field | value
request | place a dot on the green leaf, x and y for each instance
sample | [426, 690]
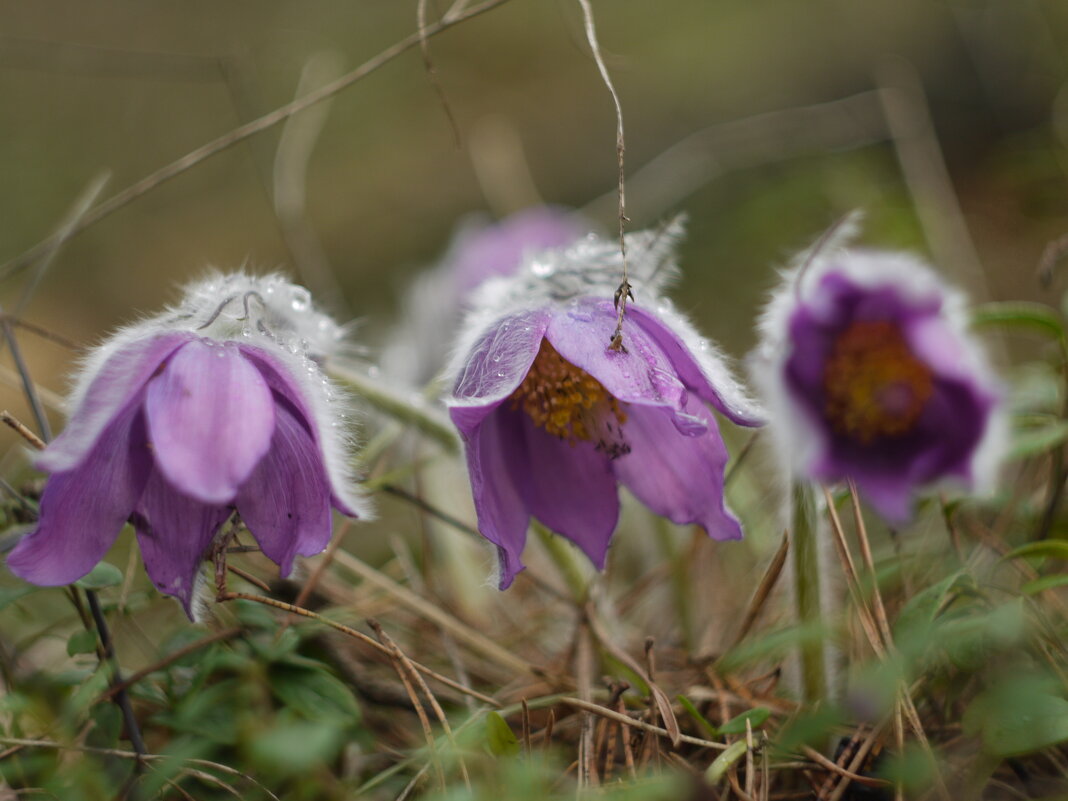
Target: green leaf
[82, 642]
[1044, 583]
[210, 714]
[721, 764]
[86, 694]
[1032, 441]
[294, 747]
[101, 576]
[107, 726]
[736, 725]
[1019, 716]
[1052, 549]
[919, 613]
[1036, 317]
[702, 721]
[499, 736]
[314, 694]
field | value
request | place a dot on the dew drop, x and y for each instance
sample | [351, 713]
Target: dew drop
[301, 299]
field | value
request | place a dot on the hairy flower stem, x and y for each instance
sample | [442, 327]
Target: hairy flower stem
[563, 556]
[804, 550]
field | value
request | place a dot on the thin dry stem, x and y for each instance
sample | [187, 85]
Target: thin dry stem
[22, 430]
[398, 660]
[648, 728]
[764, 589]
[425, 690]
[624, 290]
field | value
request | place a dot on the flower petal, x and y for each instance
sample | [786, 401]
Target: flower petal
[286, 501]
[174, 532]
[481, 252]
[118, 381]
[493, 456]
[705, 374]
[567, 486]
[678, 477]
[495, 366]
[210, 419]
[638, 373]
[83, 510]
[316, 420]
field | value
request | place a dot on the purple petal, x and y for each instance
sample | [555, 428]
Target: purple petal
[640, 373]
[210, 419]
[496, 366]
[567, 486]
[678, 477]
[83, 510]
[889, 494]
[493, 458]
[174, 532]
[286, 501]
[116, 385]
[498, 249]
[278, 377]
[685, 364]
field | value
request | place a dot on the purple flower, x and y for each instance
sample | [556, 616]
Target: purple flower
[554, 419]
[433, 305]
[178, 421]
[870, 374]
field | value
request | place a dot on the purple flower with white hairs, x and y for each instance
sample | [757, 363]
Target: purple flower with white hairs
[216, 405]
[870, 374]
[554, 418]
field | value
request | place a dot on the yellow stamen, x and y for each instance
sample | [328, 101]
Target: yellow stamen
[876, 387]
[570, 404]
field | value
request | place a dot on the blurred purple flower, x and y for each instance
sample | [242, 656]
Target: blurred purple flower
[554, 419]
[480, 249]
[215, 406]
[870, 374]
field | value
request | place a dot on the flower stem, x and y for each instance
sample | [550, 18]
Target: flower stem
[563, 556]
[806, 564]
[411, 409]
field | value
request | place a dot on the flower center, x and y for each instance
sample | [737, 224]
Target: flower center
[571, 404]
[875, 385]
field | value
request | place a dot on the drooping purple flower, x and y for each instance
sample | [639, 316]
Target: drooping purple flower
[869, 374]
[433, 306]
[177, 421]
[553, 418]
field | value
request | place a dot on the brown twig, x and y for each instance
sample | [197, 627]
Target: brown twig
[403, 672]
[648, 728]
[763, 590]
[22, 430]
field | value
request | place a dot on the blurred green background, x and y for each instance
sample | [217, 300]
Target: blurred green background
[123, 88]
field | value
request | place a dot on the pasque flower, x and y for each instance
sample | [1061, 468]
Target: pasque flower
[177, 421]
[869, 374]
[554, 418]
